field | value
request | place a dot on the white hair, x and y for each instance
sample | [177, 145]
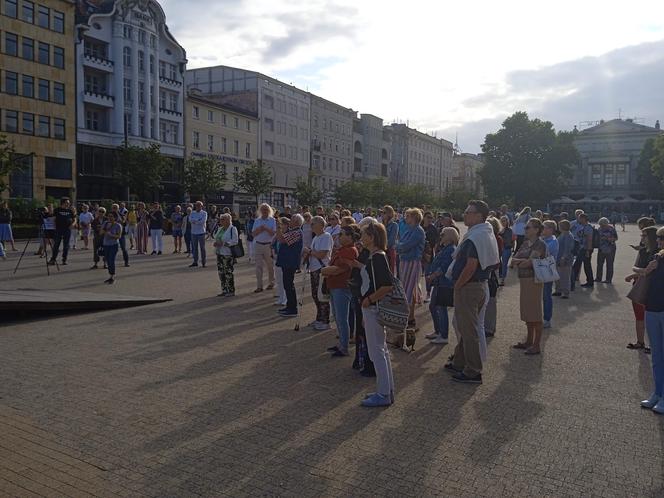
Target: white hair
[297, 218]
[318, 220]
[270, 211]
[224, 216]
[367, 220]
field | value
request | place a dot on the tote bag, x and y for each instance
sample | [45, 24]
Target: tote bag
[393, 309]
[639, 291]
[545, 270]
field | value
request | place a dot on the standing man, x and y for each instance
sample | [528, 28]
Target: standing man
[156, 228]
[357, 216]
[264, 229]
[64, 220]
[122, 220]
[476, 254]
[176, 221]
[583, 234]
[198, 221]
[288, 259]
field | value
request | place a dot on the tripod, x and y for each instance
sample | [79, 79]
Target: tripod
[45, 240]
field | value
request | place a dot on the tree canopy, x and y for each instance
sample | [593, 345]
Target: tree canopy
[306, 193]
[203, 177]
[255, 179]
[378, 192]
[141, 169]
[651, 165]
[527, 162]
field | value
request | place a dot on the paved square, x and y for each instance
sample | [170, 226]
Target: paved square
[209, 397]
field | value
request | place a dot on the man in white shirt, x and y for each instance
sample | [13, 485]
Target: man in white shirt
[265, 226]
[357, 216]
[198, 221]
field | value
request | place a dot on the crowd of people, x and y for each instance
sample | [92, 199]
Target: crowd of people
[350, 258]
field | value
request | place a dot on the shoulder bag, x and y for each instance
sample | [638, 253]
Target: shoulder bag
[545, 270]
[639, 291]
[393, 309]
[323, 292]
[237, 251]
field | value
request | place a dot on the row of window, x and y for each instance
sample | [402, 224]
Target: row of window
[45, 90]
[286, 129]
[31, 124]
[608, 175]
[128, 33]
[234, 121]
[334, 164]
[223, 143]
[34, 51]
[333, 126]
[290, 108]
[42, 16]
[285, 151]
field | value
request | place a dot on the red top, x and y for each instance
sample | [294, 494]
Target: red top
[340, 281]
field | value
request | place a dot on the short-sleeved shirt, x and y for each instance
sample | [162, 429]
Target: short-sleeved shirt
[528, 250]
[468, 250]
[581, 233]
[340, 281]
[111, 229]
[176, 219]
[378, 267]
[605, 233]
[85, 218]
[264, 237]
[156, 220]
[64, 217]
[322, 242]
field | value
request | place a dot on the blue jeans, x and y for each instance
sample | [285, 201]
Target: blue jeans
[505, 260]
[548, 301]
[340, 306]
[441, 322]
[655, 328]
[196, 242]
[110, 252]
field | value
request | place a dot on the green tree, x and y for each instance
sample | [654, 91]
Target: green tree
[255, 179]
[651, 166]
[140, 170]
[203, 176]
[9, 163]
[352, 193]
[306, 192]
[527, 162]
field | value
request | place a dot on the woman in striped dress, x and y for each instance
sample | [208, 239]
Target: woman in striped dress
[410, 249]
[142, 229]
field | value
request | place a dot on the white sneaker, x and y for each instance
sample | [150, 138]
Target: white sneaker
[432, 335]
[439, 340]
[313, 324]
[547, 324]
[659, 407]
[322, 326]
[651, 402]
[427, 299]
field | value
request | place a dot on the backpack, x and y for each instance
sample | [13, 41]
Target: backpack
[595, 238]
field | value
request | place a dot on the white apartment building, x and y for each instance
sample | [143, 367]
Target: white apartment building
[371, 148]
[331, 143]
[284, 121]
[130, 88]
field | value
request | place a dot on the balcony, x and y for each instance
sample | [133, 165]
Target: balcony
[169, 112]
[98, 63]
[100, 99]
[164, 81]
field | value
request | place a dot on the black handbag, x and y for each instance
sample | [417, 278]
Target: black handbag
[237, 251]
[445, 296]
[493, 284]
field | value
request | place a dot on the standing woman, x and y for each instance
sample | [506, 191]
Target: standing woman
[410, 249]
[490, 311]
[334, 228]
[6, 225]
[432, 236]
[318, 257]
[73, 230]
[607, 250]
[248, 229]
[97, 237]
[111, 231]
[531, 292]
[156, 228]
[647, 250]
[441, 284]
[376, 284]
[519, 228]
[176, 221]
[548, 236]
[226, 237]
[506, 234]
[131, 225]
[142, 229]
[186, 229]
[392, 228]
[655, 323]
[84, 220]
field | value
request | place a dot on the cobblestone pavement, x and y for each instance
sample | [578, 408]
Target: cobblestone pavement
[211, 397]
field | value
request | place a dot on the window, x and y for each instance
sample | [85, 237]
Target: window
[621, 174]
[195, 111]
[44, 17]
[44, 90]
[126, 56]
[28, 12]
[127, 90]
[126, 31]
[152, 64]
[127, 122]
[11, 121]
[59, 57]
[236, 148]
[59, 128]
[93, 84]
[44, 53]
[28, 47]
[153, 41]
[162, 69]
[210, 143]
[11, 83]
[171, 71]
[269, 148]
[236, 123]
[596, 174]
[28, 123]
[223, 120]
[92, 120]
[141, 60]
[44, 128]
[28, 86]
[141, 93]
[58, 21]
[247, 150]
[195, 139]
[141, 126]
[269, 124]
[173, 101]
[608, 175]
[10, 8]
[211, 116]
[248, 125]
[268, 102]
[58, 168]
[141, 37]
[21, 179]
[224, 145]
[11, 44]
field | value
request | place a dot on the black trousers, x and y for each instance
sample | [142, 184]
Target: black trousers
[289, 287]
[61, 238]
[584, 258]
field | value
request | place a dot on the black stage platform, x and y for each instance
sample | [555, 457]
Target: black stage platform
[64, 300]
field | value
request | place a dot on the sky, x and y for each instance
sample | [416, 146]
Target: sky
[449, 68]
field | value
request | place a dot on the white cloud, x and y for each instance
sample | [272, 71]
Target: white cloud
[438, 64]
